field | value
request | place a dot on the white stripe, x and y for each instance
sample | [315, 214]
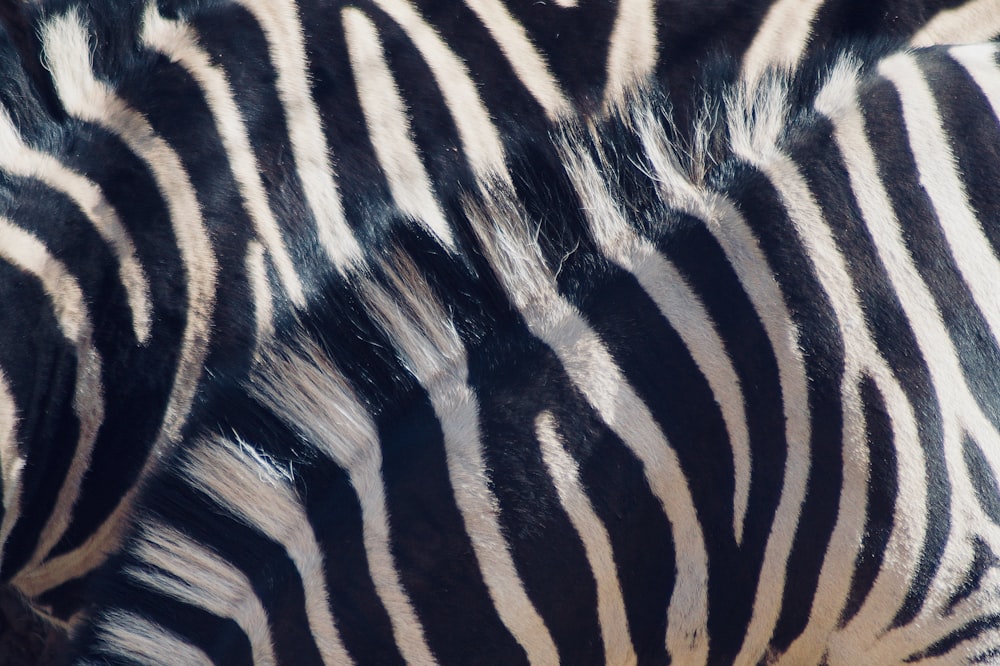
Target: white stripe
[178, 41]
[309, 392]
[263, 300]
[389, 126]
[524, 58]
[747, 259]
[66, 51]
[596, 542]
[433, 352]
[677, 302]
[26, 252]
[195, 575]
[781, 38]
[974, 21]
[481, 143]
[19, 159]
[503, 231]
[838, 101]
[249, 488]
[279, 20]
[632, 50]
[124, 634]
[939, 176]
[11, 462]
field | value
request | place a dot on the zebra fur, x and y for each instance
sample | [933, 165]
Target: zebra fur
[532, 449]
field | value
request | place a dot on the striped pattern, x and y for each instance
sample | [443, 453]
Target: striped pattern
[174, 179]
[735, 406]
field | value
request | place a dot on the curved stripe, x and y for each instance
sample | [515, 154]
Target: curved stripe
[731, 231]
[18, 158]
[529, 65]
[632, 51]
[255, 265]
[838, 101]
[565, 476]
[435, 355]
[178, 42]
[66, 52]
[196, 576]
[124, 634]
[781, 38]
[26, 252]
[249, 488]
[940, 177]
[11, 463]
[973, 21]
[389, 127]
[678, 304]
[481, 143]
[279, 20]
[310, 393]
[502, 226]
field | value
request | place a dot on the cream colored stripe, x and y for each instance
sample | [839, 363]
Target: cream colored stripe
[973, 21]
[124, 634]
[245, 485]
[19, 159]
[66, 50]
[940, 178]
[260, 288]
[389, 127]
[26, 252]
[480, 141]
[279, 19]
[632, 51]
[310, 392]
[524, 58]
[178, 41]
[502, 228]
[189, 572]
[678, 304]
[565, 476]
[433, 352]
[781, 38]
[727, 225]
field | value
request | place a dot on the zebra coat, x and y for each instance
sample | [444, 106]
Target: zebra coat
[724, 393]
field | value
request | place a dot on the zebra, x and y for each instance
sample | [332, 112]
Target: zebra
[724, 394]
[176, 175]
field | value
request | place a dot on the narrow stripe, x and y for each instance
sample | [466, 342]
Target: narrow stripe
[195, 575]
[312, 394]
[249, 488]
[178, 42]
[565, 475]
[434, 352]
[26, 252]
[731, 231]
[632, 51]
[782, 37]
[480, 140]
[11, 462]
[502, 226]
[526, 61]
[678, 304]
[66, 50]
[939, 175]
[389, 127]
[281, 25]
[255, 265]
[973, 21]
[123, 634]
[19, 159]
